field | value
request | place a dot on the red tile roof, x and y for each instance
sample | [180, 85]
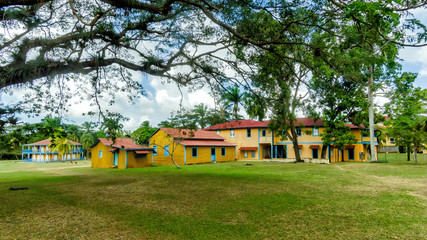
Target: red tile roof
[48, 141]
[142, 152]
[123, 143]
[191, 134]
[211, 143]
[239, 124]
[248, 148]
[258, 124]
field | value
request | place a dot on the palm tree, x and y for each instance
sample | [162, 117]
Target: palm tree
[232, 97]
[61, 145]
[200, 112]
[112, 128]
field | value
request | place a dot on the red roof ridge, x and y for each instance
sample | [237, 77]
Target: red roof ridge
[123, 143]
[191, 134]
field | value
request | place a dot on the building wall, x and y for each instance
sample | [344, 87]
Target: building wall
[183, 155]
[138, 162]
[42, 153]
[161, 139]
[306, 139]
[204, 155]
[107, 157]
[241, 140]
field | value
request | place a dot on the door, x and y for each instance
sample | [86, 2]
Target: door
[116, 158]
[351, 154]
[213, 154]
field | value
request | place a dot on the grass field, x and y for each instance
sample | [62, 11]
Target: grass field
[215, 201]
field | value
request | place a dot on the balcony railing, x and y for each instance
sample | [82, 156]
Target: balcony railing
[29, 151]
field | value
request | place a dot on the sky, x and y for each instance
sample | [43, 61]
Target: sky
[163, 98]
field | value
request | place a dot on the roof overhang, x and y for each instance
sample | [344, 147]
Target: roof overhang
[248, 148]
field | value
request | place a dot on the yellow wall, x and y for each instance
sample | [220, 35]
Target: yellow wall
[241, 140]
[107, 159]
[138, 162]
[161, 139]
[204, 155]
[306, 139]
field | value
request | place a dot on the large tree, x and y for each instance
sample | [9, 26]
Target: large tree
[407, 110]
[95, 43]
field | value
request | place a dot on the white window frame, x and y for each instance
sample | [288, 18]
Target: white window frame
[245, 153]
[232, 133]
[315, 131]
[100, 154]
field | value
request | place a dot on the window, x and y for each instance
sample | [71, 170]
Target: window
[100, 154]
[300, 153]
[167, 150]
[315, 131]
[315, 153]
[217, 132]
[252, 154]
[223, 151]
[245, 154]
[194, 152]
[263, 133]
[155, 150]
[232, 133]
[298, 131]
[392, 140]
[248, 133]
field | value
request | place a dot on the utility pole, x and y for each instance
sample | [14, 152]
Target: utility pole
[371, 115]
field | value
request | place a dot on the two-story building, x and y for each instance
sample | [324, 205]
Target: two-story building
[40, 152]
[255, 141]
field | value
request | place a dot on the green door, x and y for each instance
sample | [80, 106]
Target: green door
[116, 158]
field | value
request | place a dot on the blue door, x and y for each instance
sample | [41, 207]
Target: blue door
[116, 158]
[351, 154]
[213, 154]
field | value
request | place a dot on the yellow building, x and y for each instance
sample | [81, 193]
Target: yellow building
[40, 152]
[189, 147]
[255, 141]
[124, 153]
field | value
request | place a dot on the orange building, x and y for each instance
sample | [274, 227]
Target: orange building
[123, 153]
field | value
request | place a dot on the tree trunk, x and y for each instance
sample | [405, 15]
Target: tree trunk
[294, 138]
[324, 151]
[371, 115]
[415, 154]
[408, 153]
[175, 162]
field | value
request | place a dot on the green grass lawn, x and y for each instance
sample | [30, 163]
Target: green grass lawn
[215, 201]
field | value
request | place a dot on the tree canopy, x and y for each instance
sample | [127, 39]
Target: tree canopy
[407, 111]
[96, 44]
